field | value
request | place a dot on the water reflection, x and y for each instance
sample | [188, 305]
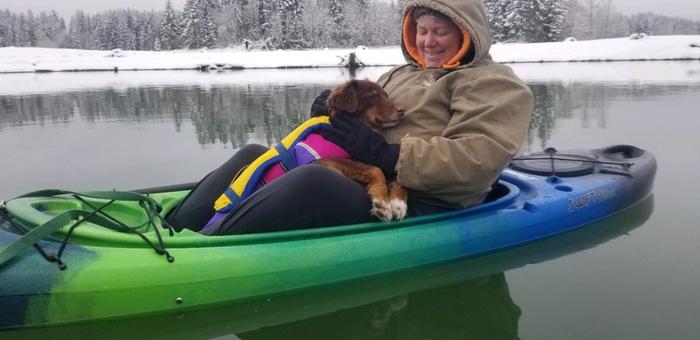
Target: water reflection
[476, 309]
[238, 114]
[230, 115]
[589, 103]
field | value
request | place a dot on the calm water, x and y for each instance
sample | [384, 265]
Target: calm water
[636, 276]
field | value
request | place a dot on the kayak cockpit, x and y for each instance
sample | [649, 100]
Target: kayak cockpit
[34, 211]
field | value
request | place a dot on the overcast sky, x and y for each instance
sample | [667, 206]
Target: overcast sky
[681, 8]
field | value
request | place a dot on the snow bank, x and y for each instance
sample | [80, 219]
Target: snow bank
[677, 47]
[28, 59]
[33, 59]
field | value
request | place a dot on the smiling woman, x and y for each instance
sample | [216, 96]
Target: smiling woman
[465, 118]
[438, 39]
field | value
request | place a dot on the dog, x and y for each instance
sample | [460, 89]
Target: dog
[368, 101]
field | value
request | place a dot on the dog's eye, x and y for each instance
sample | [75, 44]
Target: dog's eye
[371, 94]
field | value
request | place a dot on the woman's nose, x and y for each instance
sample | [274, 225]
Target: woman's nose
[429, 39]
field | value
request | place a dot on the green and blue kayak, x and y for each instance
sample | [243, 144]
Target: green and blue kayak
[116, 259]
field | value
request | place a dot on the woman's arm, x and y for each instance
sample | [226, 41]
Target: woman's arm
[490, 117]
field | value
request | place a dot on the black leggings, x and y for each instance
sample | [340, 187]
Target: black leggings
[309, 196]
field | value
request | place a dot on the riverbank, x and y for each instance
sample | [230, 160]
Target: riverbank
[638, 48]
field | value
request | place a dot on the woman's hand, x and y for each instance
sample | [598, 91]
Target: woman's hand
[362, 143]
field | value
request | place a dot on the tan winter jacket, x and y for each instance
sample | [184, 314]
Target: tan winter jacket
[463, 123]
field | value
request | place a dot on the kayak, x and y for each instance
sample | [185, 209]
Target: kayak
[289, 313]
[110, 255]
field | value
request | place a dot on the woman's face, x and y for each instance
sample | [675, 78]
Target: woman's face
[437, 40]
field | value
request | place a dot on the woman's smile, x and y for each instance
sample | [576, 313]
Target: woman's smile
[437, 40]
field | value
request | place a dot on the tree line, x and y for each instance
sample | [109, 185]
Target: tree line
[299, 24]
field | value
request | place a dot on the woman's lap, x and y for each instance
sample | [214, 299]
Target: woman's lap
[198, 207]
[309, 196]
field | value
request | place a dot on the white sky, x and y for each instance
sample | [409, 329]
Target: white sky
[681, 8]
[68, 7]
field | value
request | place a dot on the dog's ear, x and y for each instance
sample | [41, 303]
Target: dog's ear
[344, 97]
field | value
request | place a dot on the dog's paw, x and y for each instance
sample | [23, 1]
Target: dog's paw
[381, 209]
[398, 208]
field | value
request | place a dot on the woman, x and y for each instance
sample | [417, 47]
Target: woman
[465, 118]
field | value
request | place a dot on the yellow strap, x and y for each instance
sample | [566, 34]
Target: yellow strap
[243, 180]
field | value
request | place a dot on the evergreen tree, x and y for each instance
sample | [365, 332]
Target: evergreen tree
[30, 29]
[247, 19]
[24, 26]
[365, 34]
[292, 15]
[127, 26]
[145, 31]
[80, 32]
[339, 28]
[640, 23]
[266, 15]
[228, 21]
[316, 35]
[238, 22]
[508, 19]
[51, 30]
[199, 29]
[336, 9]
[170, 28]
[544, 20]
[154, 19]
[5, 24]
[109, 31]
[397, 8]
[382, 24]
[274, 37]
[526, 20]
[190, 29]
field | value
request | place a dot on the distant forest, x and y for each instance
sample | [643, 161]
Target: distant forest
[301, 24]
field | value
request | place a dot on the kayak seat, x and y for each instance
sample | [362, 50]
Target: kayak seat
[498, 190]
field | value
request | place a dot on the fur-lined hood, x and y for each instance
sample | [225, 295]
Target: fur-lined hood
[469, 15]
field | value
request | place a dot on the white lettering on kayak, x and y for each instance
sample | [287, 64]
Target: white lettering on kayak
[595, 196]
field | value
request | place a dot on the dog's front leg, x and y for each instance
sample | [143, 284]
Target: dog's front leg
[371, 177]
[378, 191]
[397, 200]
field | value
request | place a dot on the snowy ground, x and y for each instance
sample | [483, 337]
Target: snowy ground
[28, 59]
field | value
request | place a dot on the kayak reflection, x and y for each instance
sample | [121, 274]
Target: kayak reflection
[457, 300]
[476, 309]
[480, 308]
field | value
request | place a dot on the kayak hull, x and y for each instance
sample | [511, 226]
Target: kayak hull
[114, 275]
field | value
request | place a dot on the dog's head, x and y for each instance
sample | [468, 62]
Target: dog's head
[366, 100]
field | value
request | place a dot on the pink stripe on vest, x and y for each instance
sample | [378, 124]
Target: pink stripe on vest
[318, 147]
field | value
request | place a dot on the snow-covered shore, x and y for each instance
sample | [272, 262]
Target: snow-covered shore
[30, 59]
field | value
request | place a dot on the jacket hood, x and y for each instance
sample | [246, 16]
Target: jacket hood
[469, 15]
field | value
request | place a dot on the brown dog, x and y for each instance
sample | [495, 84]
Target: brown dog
[369, 102]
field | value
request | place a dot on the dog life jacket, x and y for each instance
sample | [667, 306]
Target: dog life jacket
[300, 147]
